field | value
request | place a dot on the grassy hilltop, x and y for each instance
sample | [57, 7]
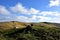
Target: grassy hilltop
[39, 31]
[11, 25]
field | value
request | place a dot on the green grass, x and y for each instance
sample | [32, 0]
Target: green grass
[47, 32]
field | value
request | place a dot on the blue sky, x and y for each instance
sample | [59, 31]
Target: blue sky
[30, 10]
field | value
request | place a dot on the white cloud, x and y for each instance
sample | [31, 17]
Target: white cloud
[4, 11]
[55, 20]
[33, 11]
[36, 18]
[19, 8]
[24, 19]
[54, 3]
[45, 13]
[33, 18]
[5, 14]
[5, 18]
[43, 18]
[21, 18]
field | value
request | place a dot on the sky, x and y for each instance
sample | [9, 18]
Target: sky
[30, 10]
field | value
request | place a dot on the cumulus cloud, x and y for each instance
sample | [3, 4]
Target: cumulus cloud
[4, 11]
[33, 11]
[19, 8]
[5, 14]
[36, 17]
[54, 3]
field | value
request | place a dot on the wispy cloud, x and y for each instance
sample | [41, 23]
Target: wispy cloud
[45, 13]
[36, 18]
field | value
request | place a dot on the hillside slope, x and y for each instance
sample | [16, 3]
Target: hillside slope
[39, 31]
[12, 24]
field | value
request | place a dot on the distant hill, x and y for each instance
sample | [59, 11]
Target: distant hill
[47, 24]
[55, 24]
[12, 24]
